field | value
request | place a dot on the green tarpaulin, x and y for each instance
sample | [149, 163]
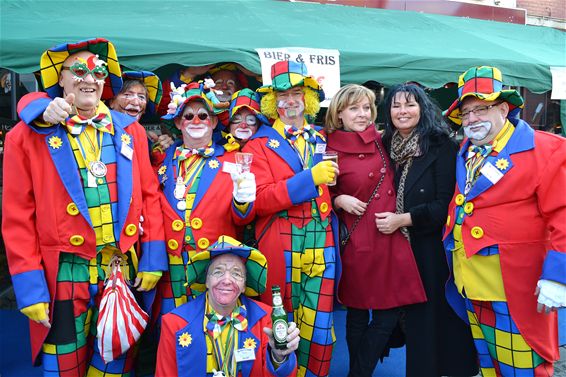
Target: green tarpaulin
[375, 44]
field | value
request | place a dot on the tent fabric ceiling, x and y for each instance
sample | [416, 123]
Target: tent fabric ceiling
[383, 45]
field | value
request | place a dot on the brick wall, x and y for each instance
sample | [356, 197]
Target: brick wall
[544, 8]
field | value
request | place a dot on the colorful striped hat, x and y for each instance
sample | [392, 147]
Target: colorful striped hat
[152, 84]
[255, 262]
[52, 60]
[484, 83]
[249, 99]
[193, 92]
[287, 74]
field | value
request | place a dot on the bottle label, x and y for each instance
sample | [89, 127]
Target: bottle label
[277, 301]
[280, 330]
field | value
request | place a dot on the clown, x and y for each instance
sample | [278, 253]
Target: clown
[505, 236]
[294, 219]
[210, 335]
[141, 90]
[93, 166]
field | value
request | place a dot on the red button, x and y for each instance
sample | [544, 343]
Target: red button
[361, 156]
[390, 192]
[370, 174]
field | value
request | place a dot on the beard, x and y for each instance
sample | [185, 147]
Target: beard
[484, 128]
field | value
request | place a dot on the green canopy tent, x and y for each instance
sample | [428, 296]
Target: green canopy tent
[383, 45]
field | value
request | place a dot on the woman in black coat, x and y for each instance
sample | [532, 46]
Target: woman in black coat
[438, 342]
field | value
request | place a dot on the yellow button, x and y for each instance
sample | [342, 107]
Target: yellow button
[448, 221]
[173, 244]
[469, 208]
[187, 238]
[323, 207]
[104, 208]
[459, 200]
[72, 209]
[100, 181]
[177, 225]
[203, 243]
[196, 223]
[477, 232]
[313, 211]
[131, 229]
[76, 240]
[107, 238]
[320, 191]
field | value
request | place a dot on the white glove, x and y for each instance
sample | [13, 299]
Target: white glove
[59, 109]
[244, 187]
[551, 295]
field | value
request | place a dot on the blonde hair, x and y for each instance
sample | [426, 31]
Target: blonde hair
[269, 103]
[346, 96]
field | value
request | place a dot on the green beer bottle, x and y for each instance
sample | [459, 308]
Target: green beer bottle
[279, 319]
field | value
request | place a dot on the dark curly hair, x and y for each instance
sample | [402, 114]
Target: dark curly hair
[431, 126]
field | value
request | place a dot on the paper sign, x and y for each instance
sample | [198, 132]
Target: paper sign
[558, 83]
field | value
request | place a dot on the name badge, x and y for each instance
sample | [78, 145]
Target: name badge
[245, 354]
[320, 148]
[229, 167]
[491, 172]
[127, 151]
[90, 179]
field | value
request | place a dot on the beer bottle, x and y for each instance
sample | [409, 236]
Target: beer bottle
[279, 319]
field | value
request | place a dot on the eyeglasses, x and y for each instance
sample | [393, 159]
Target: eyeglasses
[132, 96]
[250, 120]
[235, 273]
[478, 111]
[81, 70]
[191, 116]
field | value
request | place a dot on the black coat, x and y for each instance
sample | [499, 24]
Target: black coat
[438, 342]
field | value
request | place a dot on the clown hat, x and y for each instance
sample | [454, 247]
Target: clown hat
[152, 84]
[255, 262]
[484, 83]
[52, 60]
[249, 99]
[287, 74]
[193, 92]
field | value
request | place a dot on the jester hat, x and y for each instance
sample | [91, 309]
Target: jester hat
[287, 74]
[192, 92]
[249, 99]
[52, 60]
[151, 83]
[484, 83]
[254, 260]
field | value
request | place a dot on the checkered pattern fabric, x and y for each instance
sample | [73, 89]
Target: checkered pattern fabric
[52, 60]
[71, 350]
[102, 200]
[502, 351]
[247, 98]
[193, 92]
[152, 84]
[309, 293]
[287, 74]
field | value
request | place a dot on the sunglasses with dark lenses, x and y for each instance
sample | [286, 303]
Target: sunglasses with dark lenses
[191, 116]
[80, 70]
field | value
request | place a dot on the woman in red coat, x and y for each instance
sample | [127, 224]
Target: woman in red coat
[379, 271]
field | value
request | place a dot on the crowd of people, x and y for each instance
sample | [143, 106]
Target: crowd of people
[457, 252]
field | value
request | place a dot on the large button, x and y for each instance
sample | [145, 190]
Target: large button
[173, 244]
[459, 200]
[361, 156]
[72, 209]
[196, 223]
[76, 240]
[323, 207]
[469, 208]
[477, 232]
[203, 243]
[131, 229]
[448, 221]
[177, 225]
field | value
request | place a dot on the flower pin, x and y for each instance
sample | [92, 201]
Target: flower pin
[502, 164]
[162, 170]
[273, 143]
[55, 142]
[213, 164]
[185, 339]
[126, 139]
[250, 343]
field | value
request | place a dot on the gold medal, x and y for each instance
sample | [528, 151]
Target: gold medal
[98, 169]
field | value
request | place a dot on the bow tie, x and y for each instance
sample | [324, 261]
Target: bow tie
[292, 132]
[184, 153]
[480, 150]
[101, 122]
[217, 323]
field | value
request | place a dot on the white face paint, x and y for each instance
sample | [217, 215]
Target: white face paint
[477, 131]
[243, 133]
[290, 109]
[194, 133]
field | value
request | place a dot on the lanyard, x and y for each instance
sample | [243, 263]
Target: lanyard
[99, 144]
[225, 355]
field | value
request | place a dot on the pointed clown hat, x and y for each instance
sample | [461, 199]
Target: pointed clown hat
[255, 262]
[287, 74]
[484, 83]
[153, 85]
[51, 64]
[249, 99]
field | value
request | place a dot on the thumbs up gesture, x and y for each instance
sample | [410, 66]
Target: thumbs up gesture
[59, 109]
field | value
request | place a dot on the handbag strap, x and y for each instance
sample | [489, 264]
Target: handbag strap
[267, 226]
[381, 179]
